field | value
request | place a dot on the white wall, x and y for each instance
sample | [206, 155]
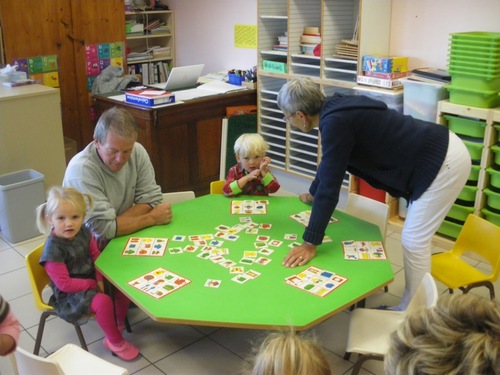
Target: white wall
[204, 33]
[419, 29]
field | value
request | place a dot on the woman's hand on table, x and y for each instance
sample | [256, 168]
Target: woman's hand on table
[299, 255]
[306, 198]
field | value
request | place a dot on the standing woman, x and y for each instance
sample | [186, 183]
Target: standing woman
[421, 161]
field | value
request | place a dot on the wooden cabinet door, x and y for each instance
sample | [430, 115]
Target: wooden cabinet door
[63, 27]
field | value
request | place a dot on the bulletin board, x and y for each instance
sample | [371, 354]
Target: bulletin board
[245, 36]
[43, 69]
[99, 56]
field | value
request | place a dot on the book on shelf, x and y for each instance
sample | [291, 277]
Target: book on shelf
[395, 75]
[149, 97]
[431, 75]
[379, 82]
[152, 25]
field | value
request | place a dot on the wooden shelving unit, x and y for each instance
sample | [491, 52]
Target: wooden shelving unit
[157, 46]
[292, 151]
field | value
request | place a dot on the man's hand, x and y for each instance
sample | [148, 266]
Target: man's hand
[162, 213]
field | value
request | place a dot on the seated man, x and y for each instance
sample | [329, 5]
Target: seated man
[117, 172]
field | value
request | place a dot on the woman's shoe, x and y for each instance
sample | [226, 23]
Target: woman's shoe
[125, 350]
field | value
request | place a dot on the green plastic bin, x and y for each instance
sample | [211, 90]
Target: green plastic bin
[466, 126]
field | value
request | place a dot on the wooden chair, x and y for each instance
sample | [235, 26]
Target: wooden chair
[479, 237]
[217, 186]
[68, 360]
[178, 196]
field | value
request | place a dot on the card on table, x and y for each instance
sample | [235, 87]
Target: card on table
[304, 216]
[158, 283]
[356, 250]
[249, 207]
[316, 281]
[142, 246]
[213, 283]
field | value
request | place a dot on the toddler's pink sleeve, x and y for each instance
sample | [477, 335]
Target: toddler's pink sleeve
[10, 327]
[58, 273]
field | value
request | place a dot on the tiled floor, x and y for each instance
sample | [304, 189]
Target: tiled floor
[178, 349]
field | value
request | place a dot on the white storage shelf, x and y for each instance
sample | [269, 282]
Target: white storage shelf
[293, 151]
[149, 63]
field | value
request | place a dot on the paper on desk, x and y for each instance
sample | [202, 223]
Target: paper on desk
[219, 87]
[214, 87]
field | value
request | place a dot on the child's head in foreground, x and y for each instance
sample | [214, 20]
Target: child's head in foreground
[249, 150]
[460, 336]
[63, 212]
[288, 353]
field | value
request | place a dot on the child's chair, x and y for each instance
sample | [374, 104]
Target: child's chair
[217, 186]
[478, 237]
[370, 329]
[39, 280]
[70, 359]
[178, 196]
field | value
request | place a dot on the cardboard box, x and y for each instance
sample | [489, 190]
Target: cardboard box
[385, 64]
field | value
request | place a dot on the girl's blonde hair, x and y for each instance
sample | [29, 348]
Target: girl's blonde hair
[250, 144]
[459, 336]
[287, 353]
[55, 197]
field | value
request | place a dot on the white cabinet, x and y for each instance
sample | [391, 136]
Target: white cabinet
[31, 135]
[367, 20]
[150, 44]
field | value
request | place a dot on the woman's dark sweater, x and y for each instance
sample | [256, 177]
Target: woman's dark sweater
[391, 151]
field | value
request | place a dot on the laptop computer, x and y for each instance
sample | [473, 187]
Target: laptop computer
[183, 77]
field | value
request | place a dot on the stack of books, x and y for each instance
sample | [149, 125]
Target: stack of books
[384, 71]
[282, 43]
[151, 25]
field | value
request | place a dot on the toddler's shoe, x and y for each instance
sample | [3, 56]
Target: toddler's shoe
[125, 350]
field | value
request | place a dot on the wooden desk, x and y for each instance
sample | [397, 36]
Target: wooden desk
[183, 140]
[266, 302]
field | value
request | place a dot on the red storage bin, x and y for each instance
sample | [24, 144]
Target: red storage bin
[366, 190]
